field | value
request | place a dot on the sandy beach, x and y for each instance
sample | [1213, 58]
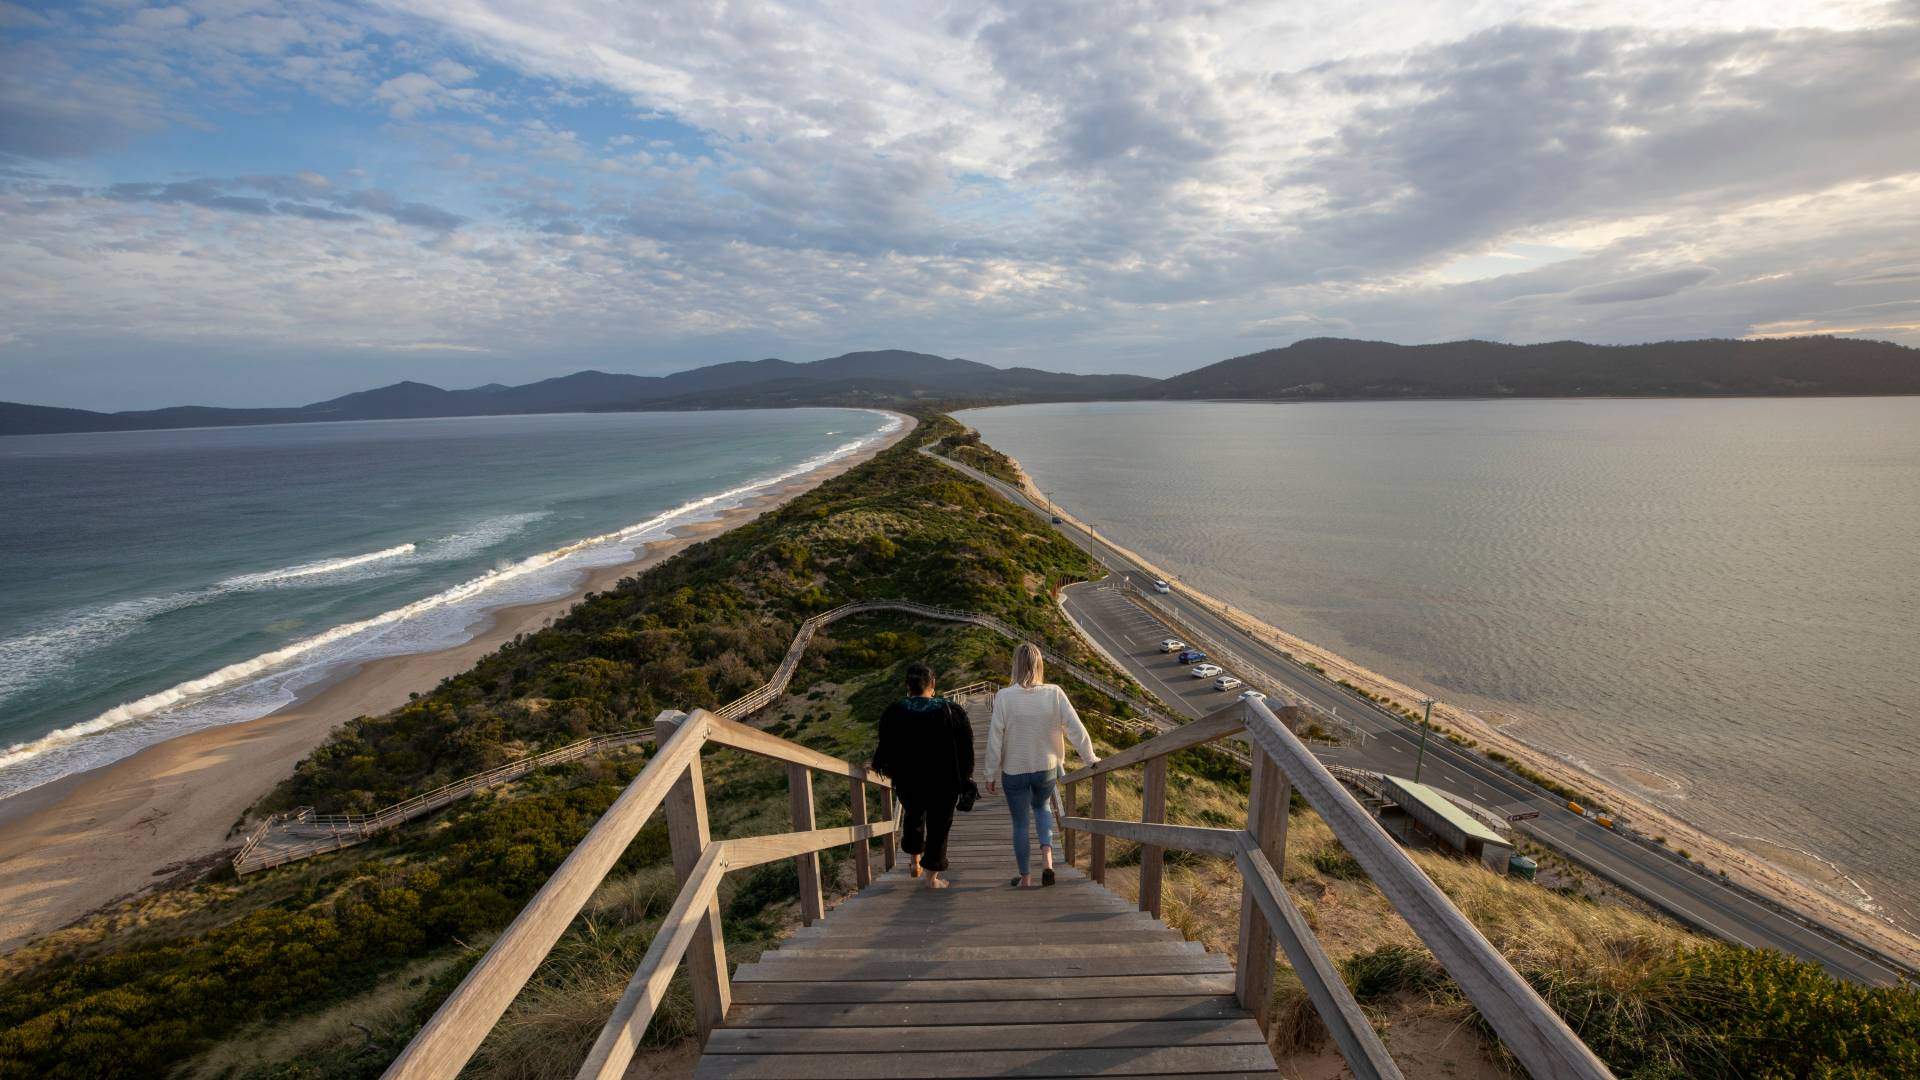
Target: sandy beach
[89, 840]
[1789, 876]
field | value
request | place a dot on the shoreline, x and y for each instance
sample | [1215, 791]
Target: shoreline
[93, 839]
[1748, 868]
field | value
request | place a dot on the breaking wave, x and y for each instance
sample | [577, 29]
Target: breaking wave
[315, 569]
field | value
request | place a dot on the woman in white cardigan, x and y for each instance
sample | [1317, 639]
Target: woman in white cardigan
[1026, 745]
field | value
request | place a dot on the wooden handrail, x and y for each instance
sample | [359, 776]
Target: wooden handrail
[1222, 722]
[1525, 1023]
[457, 1028]
[766, 744]
[613, 1051]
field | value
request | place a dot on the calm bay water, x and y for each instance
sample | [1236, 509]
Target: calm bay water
[1715, 604]
[163, 581]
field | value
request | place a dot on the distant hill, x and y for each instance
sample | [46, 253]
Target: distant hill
[886, 377]
[1318, 368]
[1344, 368]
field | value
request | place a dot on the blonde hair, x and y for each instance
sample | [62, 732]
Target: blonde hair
[1029, 667]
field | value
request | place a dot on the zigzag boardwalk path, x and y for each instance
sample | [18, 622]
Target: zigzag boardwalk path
[986, 980]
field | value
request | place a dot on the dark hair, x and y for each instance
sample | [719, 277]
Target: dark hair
[919, 678]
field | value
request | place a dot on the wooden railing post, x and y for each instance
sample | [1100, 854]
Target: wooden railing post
[1153, 811]
[1073, 810]
[686, 807]
[886, 842]
[800, 794]
[1097, 849]
[862, 850]
[1267, 825]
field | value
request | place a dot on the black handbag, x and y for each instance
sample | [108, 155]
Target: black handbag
[969, 791]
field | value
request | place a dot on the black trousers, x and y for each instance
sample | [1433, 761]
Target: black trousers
[925, 820]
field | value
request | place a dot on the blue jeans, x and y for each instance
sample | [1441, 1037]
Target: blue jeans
[1028, 796]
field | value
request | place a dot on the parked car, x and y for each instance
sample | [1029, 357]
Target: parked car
[1056, 519]
[1206, 671]
[1226, 682]
[1191, 656]
[1161, 586]
[1172, 644]
[1252, 695]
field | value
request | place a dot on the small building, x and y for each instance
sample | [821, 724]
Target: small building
[1437, 816]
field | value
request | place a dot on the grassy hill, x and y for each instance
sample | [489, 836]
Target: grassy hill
[325, 968]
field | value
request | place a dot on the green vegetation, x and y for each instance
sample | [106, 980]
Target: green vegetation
[199, 972]
[1706, 1010]
[1541, 779]
[966, 448]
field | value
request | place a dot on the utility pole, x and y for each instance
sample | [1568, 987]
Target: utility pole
[1425, 722]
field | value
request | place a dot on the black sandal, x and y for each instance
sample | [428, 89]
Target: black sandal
[1046, 876]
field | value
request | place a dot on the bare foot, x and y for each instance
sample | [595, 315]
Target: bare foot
[913, 865]
[934, 882]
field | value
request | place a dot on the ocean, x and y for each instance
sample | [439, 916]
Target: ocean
[1714, 604]
[158, 582]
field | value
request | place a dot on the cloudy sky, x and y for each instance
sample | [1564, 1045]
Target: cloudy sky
[273, 201]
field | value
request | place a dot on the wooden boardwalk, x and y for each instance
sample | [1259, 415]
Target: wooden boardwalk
[985, 980]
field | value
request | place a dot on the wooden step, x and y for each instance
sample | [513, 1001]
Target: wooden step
[1093, 1061]
[822, 952]
[803, 969]
[934, 1013]
[957, 1037]
[1049, 989]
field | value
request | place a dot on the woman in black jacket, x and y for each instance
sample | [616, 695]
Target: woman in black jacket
[926, 749]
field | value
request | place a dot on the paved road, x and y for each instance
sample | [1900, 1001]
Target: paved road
[1133, 637]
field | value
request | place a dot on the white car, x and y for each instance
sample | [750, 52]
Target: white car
[1226, 682]
[1205, 671]
[1252, 695]
[1161, 586]
[1172, 644]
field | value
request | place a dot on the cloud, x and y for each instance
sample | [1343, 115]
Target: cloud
[1134, 185]
[406, 213]
[1641, 287]
[417, 93]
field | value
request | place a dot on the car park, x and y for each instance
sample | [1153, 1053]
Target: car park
[1161, 586]
[1191, 656]
[1172, 644]
[1206, 671]
[1226, 682]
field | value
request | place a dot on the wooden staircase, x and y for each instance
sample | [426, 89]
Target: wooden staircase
[982, 979]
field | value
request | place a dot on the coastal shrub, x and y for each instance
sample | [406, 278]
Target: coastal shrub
[1334, 861]
[1542, 780]
[1390, 969]
[1724, 1011]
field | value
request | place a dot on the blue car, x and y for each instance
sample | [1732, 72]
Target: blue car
[1192, 656]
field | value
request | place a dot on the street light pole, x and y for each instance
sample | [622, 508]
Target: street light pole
[1425, 722]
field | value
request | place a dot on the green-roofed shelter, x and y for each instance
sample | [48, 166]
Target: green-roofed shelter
[1439, 817]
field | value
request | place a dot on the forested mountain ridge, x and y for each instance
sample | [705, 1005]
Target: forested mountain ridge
[887, 377]
[1345, 368]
